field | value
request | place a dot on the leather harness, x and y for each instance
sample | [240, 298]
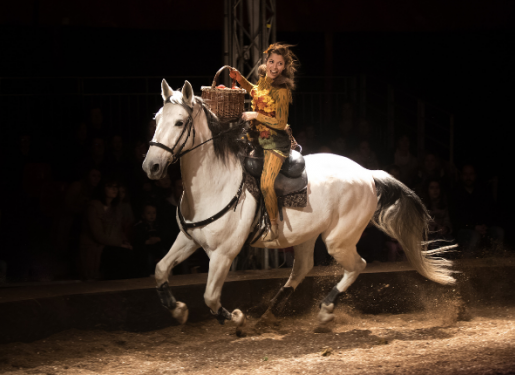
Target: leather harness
[234, 201]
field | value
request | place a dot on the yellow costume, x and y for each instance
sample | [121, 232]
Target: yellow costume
[272, 106]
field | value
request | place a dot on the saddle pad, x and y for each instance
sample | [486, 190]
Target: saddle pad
[294, 199]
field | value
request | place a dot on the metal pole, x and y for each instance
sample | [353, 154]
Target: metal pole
[451, 141]
[266, 259]
[420, 128]
[390, 118]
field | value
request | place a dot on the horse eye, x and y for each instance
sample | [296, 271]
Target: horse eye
[179, 123]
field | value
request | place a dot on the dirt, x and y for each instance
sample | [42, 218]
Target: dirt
[417, 343]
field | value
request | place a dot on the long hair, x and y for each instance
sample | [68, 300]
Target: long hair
[287, 77]
[100, 195]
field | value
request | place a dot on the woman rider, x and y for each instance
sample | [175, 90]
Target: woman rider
[271, 98]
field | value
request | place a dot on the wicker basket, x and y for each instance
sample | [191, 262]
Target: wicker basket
[227, 103]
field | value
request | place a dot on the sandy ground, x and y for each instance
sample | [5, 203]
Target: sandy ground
[417, 343]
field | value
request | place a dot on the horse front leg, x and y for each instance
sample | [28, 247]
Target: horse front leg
[181, 249]
[219, 266]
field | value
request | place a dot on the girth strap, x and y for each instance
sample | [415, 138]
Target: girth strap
[185, 226]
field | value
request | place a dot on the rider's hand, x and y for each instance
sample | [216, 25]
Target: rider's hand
[247, 116]
[235, 74]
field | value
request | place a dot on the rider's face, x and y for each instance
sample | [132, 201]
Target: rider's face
[274, 66]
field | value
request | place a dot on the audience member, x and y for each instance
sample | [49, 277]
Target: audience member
[436, 202]
[431, 169]
[148, 241]
[105, 252]
[117, 160]
[406, 162]
[473, 215]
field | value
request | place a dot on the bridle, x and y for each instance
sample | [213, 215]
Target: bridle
[191, 130]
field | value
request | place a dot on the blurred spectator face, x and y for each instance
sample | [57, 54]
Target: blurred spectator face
[96, 118]
[117, 143]
[149, 214]
[94, 177]
[325, 149]
[364, 148]
[430, 162]
[434, 190]
[395, 172]
[404, 144]
[98, 147]
[164, 183]
[468, 176]
[111, 190]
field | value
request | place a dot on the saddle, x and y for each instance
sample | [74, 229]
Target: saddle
[292, 177]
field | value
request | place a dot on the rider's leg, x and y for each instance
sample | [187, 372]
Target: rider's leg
[272, 166]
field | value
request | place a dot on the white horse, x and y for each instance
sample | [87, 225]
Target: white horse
[343, 198]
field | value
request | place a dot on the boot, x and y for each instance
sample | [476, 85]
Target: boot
[273, 233]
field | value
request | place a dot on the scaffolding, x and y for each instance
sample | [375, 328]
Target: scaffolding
[249, 28]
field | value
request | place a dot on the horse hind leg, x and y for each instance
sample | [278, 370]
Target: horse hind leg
[302, 264]
[353, 265]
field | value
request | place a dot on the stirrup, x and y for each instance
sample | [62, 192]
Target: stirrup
[272, 234]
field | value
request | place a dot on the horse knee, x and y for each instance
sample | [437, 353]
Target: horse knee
[161, 271]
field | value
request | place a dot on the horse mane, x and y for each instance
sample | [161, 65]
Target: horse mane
[232, 142]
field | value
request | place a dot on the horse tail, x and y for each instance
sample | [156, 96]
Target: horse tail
[401, 215]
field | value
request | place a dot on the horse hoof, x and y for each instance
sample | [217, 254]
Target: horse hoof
[180, 313]
[326, 313]
[238, 317]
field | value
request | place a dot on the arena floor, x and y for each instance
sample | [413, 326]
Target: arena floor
[430, 342]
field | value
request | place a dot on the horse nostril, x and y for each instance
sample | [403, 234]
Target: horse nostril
[155, 168]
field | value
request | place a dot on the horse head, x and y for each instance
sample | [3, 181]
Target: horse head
[174, 130]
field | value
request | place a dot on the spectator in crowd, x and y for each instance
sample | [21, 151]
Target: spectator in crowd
[148, 241]
[431, 169]
[473, 213]
[436, 202]
[105, 252]
[96, 156]
[96, 122]
[364, 156]
[118, 162]
[127, 211]
[70, 221]
[405, 161]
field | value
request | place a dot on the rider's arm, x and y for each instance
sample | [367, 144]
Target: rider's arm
[245, 84]
[281, 112]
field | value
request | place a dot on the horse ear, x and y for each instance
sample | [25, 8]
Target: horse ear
[187, 94]
[166, 91]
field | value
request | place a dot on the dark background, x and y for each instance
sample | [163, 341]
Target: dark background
[457, 55]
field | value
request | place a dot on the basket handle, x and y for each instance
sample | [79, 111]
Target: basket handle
[213, 85]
